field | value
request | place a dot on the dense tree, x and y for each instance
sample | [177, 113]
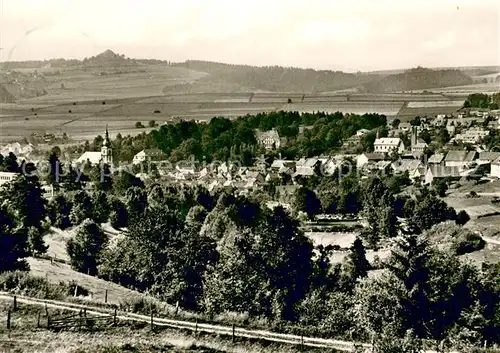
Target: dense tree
[86, 249]
[355, 264]
[13, 242]
[118, 216]
[59, 210]
[82, 208]
[305, 200]
[100, 207]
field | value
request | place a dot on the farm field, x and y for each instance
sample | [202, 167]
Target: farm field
[356, 108]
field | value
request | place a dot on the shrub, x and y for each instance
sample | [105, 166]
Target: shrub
[23, 283]
[468, 242]
[138, 125]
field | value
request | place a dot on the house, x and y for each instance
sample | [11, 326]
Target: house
[362, 132]
[388, 144]
[7, 177]
[307, 166]
[406, 165]
[368, 158]
[269, 139]
[495, 168]
[472, 135]
[459, 159]
[280, 164]
[148, 155]
[437, 158]
[487, 157]
[436, 172]
[451, 127]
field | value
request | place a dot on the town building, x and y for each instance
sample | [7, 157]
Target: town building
[388, 145]
[436, 172]
[460, 159]
[269, 139]
[436, 159]
[368, 158]
[148, 155]
[487, 157]
[472, 135]
[7, 177]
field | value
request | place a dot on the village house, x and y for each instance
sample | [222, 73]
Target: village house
[406, 165]
[368, 158]
[307, 167]
[436, 172]
[7, 177]
[460, 159]
[436, 159]
[148, 155]
[281, 165]
[472, 135]
[269, 139]
[388, 144]
[487, 157]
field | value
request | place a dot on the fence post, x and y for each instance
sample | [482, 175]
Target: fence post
[8, 319]
[114, 318]
[38, 319]
[151, 319]
[46, 310]
[15, 302]
[196, 327]
[302, 341]
[233, 332]
[106, 297]
[75, 294]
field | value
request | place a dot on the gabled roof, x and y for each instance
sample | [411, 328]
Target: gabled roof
[496, 161]
[455, 156]
[392, 141]
[93, 157]
[374, 156]
[406, 165]
[436, 158]
[489, 156]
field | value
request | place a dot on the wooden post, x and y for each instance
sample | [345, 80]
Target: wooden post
[151, 319]
[75, 294]
[301, 341]
[114, 318]
[106, 297]
[38, 319]
[8, 319]
[46, 310]
[196, 327]
[15, 302]
[176, 307]
[233, 332]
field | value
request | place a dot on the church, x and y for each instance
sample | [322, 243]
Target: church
[105, 156]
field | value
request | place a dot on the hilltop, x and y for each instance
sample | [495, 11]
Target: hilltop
[417, 79]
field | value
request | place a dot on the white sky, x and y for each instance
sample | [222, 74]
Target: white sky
[323, 34]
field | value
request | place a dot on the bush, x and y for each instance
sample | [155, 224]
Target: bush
[23, 283]
[138, 125]
[468, 242]
[152, 123]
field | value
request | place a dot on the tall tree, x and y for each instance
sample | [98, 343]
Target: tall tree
[86, 249]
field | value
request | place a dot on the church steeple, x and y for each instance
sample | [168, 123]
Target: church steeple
[106, 152]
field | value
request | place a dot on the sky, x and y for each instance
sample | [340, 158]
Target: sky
[347, 35]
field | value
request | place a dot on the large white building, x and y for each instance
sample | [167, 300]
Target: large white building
[388, 144]
[269, 139]
[7, 177]
[105, 156]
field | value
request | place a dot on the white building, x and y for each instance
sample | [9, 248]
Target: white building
[388, 144]
[105, 156]
[472, 135]
[269, 139]
[7, 177]
[152, 154]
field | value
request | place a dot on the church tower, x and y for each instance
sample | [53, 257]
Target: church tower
[106, 151]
